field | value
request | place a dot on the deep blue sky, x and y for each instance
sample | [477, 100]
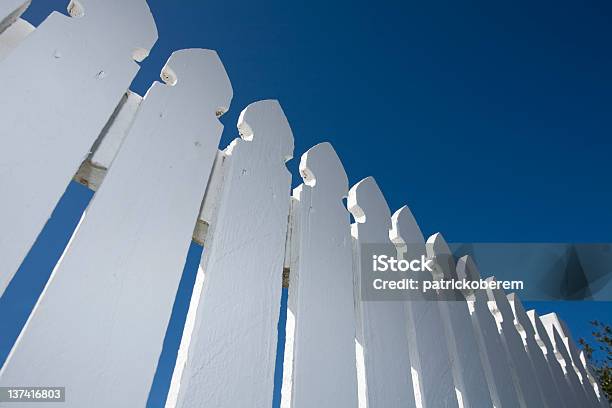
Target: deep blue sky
[490, 120]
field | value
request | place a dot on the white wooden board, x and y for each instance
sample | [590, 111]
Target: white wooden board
[496, 363]
[565, 361]
[99, 326]
[571, 356]
[320, 368]
[462, 344]
[231, 335]
[524, 375]
[69, 74]
[550, 392]
[567, 391]
[383, 357]
[429, 350]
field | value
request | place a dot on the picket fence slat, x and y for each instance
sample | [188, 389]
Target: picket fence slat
[596, 387]
[383, 356]
[99, 326]
[496, 363]
[462, 344]
[427, 342]
[567, 391]
[550, 392]
[319, 367]
[235, 305]
[71, 87]
[566, 362]
[160, 182]
[571, 356]
[520, 365]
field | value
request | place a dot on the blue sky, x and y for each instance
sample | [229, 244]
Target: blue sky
[490, 120]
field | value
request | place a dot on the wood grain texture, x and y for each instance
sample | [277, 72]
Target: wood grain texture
[69, 74]
[99, 326]
[320, 368]
[230, 341]
[383, 355]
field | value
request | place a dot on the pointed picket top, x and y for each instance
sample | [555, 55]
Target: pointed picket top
[445, 265]
[520, 315]
[552, 320]
[202, 72]
[368, 206]
[404, 228]
[502, 303]
[321, 168]
[10, 10]
[264, 122]
[468, 270]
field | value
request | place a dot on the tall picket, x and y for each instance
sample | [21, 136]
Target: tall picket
[462, 344]
[571, 356]
[125, 260]
[520, 365]
[71, 87]
[565, 361]
[567, 391]
[321, 371]
[495, 359]
[383, 357]
[550, 391]
[230, 338]
[429, 351]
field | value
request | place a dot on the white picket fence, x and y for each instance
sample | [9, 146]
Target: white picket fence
[160, 181]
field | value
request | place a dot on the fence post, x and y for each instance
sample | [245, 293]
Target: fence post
[462, 343]
[383, 358]
[230, 339]
[320, 363]
[496, 363]
[429, 350]
[98, 328]
[72, 88]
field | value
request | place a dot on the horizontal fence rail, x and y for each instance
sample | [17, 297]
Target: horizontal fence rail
[160, 181]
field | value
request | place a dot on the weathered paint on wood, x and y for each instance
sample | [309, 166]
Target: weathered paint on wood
[94, 168]
[10, 10]
[320, 368]
[427, 341]
[494, 356]
[13, 36]
[469, 374]
[99, 326]
[383, 357]
[230, 342]
[69, 74]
